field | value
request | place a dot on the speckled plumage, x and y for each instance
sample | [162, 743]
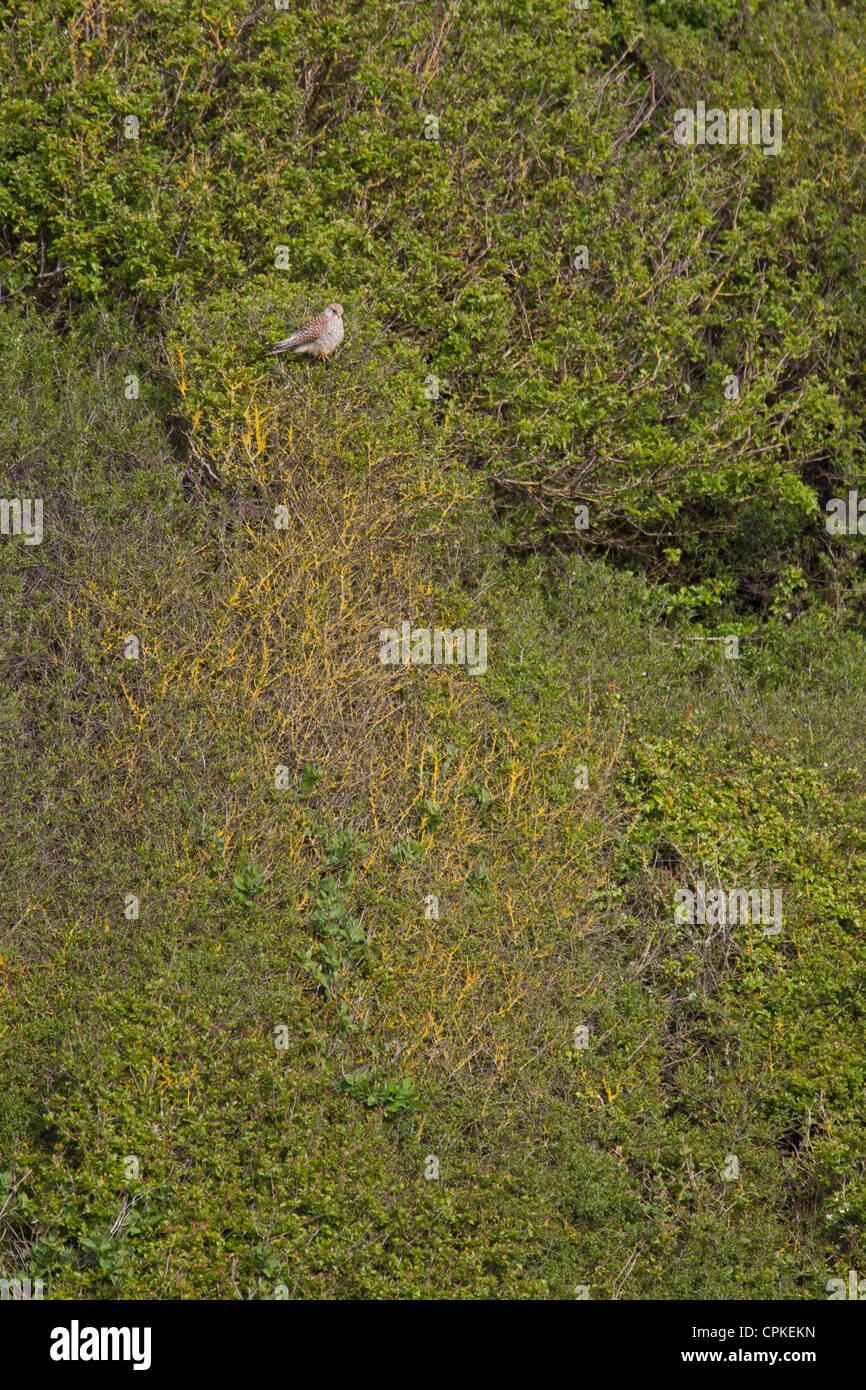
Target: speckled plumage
[320, 337]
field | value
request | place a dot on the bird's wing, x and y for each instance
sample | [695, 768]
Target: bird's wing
[309, 333]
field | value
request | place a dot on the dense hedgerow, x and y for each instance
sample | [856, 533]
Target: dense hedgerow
[282, 925]
[305, 129]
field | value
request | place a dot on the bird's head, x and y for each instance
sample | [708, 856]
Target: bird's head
[335, 309]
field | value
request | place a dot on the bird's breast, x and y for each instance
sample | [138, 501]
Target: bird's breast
[332, 333]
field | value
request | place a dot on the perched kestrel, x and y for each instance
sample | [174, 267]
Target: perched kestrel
[320, 337]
